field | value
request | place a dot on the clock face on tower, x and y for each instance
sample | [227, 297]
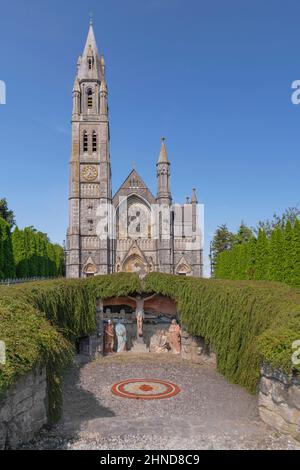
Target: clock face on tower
[89, 172]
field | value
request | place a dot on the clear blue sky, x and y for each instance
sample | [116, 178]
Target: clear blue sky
[213, 76]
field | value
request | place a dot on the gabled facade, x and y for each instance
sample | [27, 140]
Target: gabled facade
[132, 230]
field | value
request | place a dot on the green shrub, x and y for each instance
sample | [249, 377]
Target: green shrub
[39, 322]
[30, 340]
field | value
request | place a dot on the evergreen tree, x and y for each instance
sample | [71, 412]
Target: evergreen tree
[7, 214]
[243, 261]
[19, 251]
[288, 253]
[295, 279]
[244, 234]
[59, 260]
[250, 262]
[235, 262]
[276, 272]
[262, 256]
[290, 214]
[35, 256]
[7, 264]
[223, 240]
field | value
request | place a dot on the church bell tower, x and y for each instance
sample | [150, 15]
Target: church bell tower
[90, 170]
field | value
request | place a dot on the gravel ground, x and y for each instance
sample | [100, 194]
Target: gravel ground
[208, 413]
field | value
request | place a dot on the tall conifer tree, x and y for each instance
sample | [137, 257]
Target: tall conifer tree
[288, 253]
[262, 256]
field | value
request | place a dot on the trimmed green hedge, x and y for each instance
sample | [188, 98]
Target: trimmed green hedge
[39, 322]
[246, 322]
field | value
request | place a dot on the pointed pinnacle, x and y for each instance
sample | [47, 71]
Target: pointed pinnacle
[163, 156]
[194, 197]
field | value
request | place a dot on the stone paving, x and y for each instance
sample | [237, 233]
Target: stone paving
[209, 413]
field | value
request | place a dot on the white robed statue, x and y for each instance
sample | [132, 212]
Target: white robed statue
[121, 336]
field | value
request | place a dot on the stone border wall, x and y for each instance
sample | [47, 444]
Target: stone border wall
[279, 401]
[23, 409]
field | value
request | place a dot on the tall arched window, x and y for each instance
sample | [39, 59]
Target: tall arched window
[90, 98]
[85, 141]
[94, 141]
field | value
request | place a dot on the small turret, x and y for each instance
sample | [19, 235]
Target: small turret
[76, 98]
[163, 176]
[194, 202]
[194, 197]
[102, 64]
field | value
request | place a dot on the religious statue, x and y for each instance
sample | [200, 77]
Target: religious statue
[159, 342]
[118, 264]
[150, 264]
[109, 337]
[121, 337]
[139, 311]
[175, 337]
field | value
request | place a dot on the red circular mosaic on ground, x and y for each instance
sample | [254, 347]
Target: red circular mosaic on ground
[145, 389]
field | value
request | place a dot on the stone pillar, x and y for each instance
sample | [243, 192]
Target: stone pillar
[194, 349]
[279, 401]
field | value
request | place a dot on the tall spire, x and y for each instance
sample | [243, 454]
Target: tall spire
[89, 64]
[163, 156]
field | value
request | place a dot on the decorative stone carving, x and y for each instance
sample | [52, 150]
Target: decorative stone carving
[90, 268]
[109, 334]
[159, 342]
[135, 260]
[118, 266]
[183, 267]
[139, 311]
[175, 337]
[121, 337]
[195, 349]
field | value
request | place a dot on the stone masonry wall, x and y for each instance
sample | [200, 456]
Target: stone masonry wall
[195, 349]
[23, 409]
[279, 401]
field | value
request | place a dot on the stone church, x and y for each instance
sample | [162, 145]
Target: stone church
[132, 230]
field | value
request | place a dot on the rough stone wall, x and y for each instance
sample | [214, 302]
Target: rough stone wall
[194, 349]
[279, 401]
[23, 409]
